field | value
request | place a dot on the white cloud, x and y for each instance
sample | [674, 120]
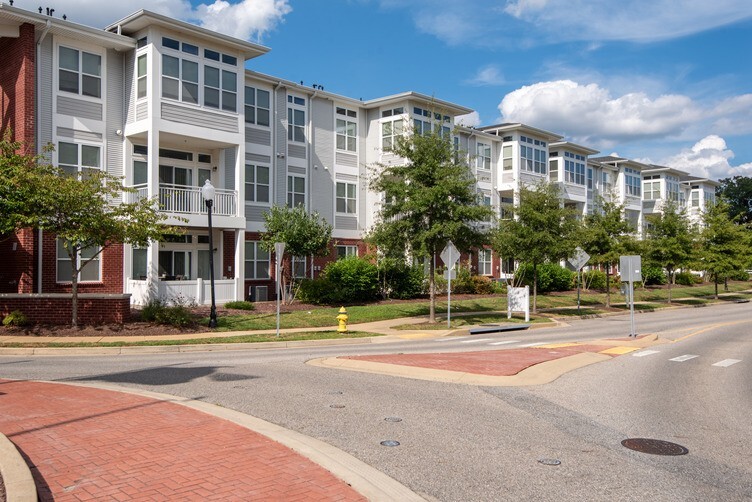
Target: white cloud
[472, 119]
[488, 75]
[708, 158]
[246, 19]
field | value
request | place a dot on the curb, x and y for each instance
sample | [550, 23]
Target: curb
[19, 484]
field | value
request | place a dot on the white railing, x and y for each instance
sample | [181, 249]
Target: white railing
[195, 291]
[188, 200]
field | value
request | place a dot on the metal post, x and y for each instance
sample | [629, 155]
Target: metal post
[449, 299]
[279, 251]
[579, 279]
[631, 309]
[213, 313]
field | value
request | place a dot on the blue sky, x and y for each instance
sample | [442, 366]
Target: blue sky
[659, 81]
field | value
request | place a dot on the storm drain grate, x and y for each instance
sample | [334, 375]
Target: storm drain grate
[550, 461]
[393, 419]
[389, 442]
[654, 446]
[337, 406]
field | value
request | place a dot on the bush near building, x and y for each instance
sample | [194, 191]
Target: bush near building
[346, 281]
[551, 277]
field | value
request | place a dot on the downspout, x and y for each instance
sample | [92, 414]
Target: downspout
[38, 128]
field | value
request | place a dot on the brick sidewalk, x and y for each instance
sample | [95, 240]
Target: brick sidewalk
[91, 444]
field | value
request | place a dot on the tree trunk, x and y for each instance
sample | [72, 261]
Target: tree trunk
[535, 288]
[715, 280]
[608, 284]
[670, 280]
[74, 294]
[432, 290]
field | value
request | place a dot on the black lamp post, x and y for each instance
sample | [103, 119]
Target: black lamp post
[207, 191]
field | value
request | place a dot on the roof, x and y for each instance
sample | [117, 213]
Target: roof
[572, 146]
[143, 18]
[449, 107]
[508, 127]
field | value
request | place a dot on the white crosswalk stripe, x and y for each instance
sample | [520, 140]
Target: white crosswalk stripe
[449, 338]
[644, 353]
[685, 357]
[534, 344]
[505, 342]
[477, 340]
[726, 363]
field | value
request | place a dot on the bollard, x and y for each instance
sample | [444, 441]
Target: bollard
[342, 318]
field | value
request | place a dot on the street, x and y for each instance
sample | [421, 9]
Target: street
[462, 442]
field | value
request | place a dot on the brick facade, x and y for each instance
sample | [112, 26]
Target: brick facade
[111, 272]
[228, 255]
[56, 308]
[17, 85]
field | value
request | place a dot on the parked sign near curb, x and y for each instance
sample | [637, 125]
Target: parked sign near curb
[450, 256]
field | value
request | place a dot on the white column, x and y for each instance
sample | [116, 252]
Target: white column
[240, 292]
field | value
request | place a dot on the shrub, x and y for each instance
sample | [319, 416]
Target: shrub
[739, 275]
[399, 280]
[240, 305]
[653, 275]
[551, 277]
[176, 315]
[316, 291]
[684, 278]
[349, 280]
[463, 283]
[149, 311]
[594, 279]
[15, 318]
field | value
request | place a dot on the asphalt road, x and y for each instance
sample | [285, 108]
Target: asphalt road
[469, 443]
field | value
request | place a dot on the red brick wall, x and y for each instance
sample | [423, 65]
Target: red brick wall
[228, 255]
[112, 270]
[17, 85]
[56, 308]
[18, 258]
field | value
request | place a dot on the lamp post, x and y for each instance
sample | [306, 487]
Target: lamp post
[207, 191]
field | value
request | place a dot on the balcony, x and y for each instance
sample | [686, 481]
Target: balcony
[181, 199]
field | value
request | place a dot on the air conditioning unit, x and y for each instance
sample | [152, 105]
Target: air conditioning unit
[258, 293]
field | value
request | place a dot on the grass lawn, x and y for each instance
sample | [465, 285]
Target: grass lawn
[472, 319]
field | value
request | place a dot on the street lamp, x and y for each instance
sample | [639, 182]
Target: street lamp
[207, 191]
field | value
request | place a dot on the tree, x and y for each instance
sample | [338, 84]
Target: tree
[540, 230]
[430, 199]
[605, 236]
[724, 245]
[304, 234]
[670, 240]
[737, 192]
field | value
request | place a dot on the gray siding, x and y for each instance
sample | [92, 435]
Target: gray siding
[44, 86]
[346, 223]
[280, 169]
[129, 84]
[115, 119]
[79, 108]
[297, 151]
[229, 154]
[142, 110]
[347, 177]
[258, 136]
[255, 213]
[200, 118]
[296, 170]
[255, 157]
[347, 160]
[322, 188]
[79, 135]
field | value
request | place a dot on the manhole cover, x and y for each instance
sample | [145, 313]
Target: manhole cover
[393, 419]
[390, 442]
[549, 461]
[338, 406]
[654, 446]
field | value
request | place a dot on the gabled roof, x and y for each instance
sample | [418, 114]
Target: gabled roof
[618, 161]
[447, 106]
[568, 145]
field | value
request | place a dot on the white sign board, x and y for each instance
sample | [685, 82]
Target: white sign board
[279, 250]
[450, 255]
[450, 274]
[518, 300]
[630, 268]
[579, 259]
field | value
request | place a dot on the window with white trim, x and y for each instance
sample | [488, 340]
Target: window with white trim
[256, 183]
[672, 188]
[295, 191]
[80, 72]
[533, 159]
[89, 258]
[299, 267]
[346, 129]
[484, 262]
[346, 251]
[709, 198]
[346, 197]
[78, 159]
[220, 89]
[632, 182]
[257, 261]
[390, 131]
[651, 190]
[141, 69]
[695, 198]
[296, 119]
[506, 157]
[483, 156]
[175, 265]
[256, 106]
[590, 178]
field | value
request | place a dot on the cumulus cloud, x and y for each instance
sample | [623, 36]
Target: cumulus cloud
[472, 119]
[708, 158]
[246, 19]
[489, 75]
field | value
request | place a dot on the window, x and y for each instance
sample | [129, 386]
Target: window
[256, 261]
[632, 182]
[506, 152]
[484, 262]
[483, 158]
[389, 133]
[174, 265]
[220, 89]
[347, 130]
[256, 106]
[346, 251]
[80, 72]
[299, 267]
[392, 112]
[651, 190]
[295, 191]
[140, 172]
[78, 159]
[346, 198]
[709, 198]
[605, 181]
[141, 76]
[487, 203]
[296, 119]
[171, 175]
[672, 188]
[695, 198]
[534, 159]
[574, 172]
[89, 258]
[256, 183]
[138, 266]
[590, 178]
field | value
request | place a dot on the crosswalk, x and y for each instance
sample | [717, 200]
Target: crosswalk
[725, 363]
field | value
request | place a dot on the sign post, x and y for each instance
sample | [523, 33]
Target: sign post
[578, 261]
[279, 250]
[630, 269]
[450, 256]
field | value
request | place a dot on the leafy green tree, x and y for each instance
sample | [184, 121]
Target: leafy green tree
[430, 199]
[724, 245]
[606, 235]
[669, 242]
[540, 230]
[737, 192]
[304, 234]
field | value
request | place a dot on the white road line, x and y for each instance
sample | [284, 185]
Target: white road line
[534, 344]
[726, 363]
[685, 357]
[449, 339]
[644, 353]
[504, 342]
[476, 340]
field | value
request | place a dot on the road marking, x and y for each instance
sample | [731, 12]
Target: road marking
[726, 363]
[618, 351]
[504, 342]
[450, 339]
[477, 340]
[646, 353]
[533, 344]
[685, 357]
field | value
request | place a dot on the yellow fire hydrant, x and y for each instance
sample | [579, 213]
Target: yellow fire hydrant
[342, 318]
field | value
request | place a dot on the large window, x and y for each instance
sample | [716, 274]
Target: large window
[175, 265]
[295, 191]
[651, 189]
[574, 168]
[672, 188]
[632, 182]
[256, 183]
[256, 106]
[220, 89]
[709, 198]
[533, 159]
[390, 131]
[80, 72]
[91, 271]
[296, 119]
[483, 157]
[484, 262]
[346, 197]
[256, 261]
[77, 159]
[347, 130]
[346, 251]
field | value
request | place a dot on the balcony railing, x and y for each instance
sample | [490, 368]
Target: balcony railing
[188, 200]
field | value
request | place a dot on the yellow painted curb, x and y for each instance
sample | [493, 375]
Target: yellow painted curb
[619, 350]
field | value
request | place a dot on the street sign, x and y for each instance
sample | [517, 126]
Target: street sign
[450, 255]
[450, 274]
[518, 300]
[579, 259]
[630, 268]
[279, 250]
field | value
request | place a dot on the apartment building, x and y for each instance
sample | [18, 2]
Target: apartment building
[167, 105]
[662, 185]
